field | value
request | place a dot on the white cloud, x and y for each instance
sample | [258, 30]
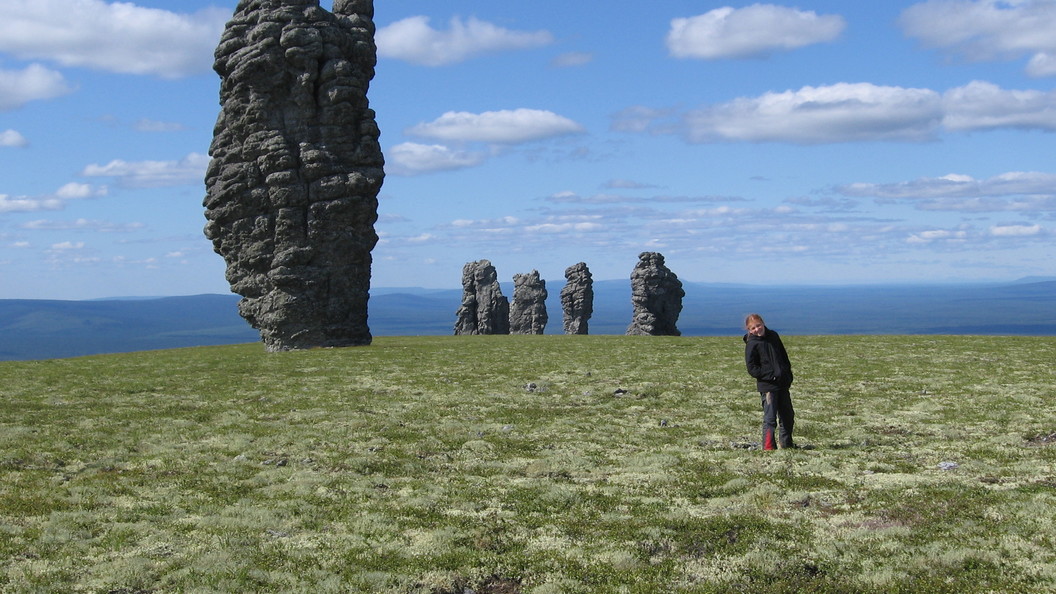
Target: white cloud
[1015, 230]
[982, 105]
[153, 174]
[55, 201]
[987, 29]
[842, 112]
[500, 127]
[414, 40]
[148, 125]
[13, 138]
[34, 83]
[1042, 64]
[850, 112]
[1015, 183]
[754, 31]
[76, 191]
[82, 225]
[943, 235]
[411, 158]
[115, 37]
[29, 204]
[570, 59]
[556, 228]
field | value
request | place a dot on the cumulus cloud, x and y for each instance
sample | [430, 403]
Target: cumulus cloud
[411, 158]
[114, 37]
[1016, 183]
[754, 31]
[1042, 64]
[13, 138]
[1015, 230]
[982, 106]
[29, 204]
[842, 112]
[53, 201]
[850, 112]
[414, 40]
[153, 174]
[943, 235]
[987, 29]
[33, 83]
[1009, 192]
[498, 127]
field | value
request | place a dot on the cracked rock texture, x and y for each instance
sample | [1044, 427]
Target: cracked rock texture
[291, 192]
[528, 310]
[577, 298]
[484, 309]
[656, 294]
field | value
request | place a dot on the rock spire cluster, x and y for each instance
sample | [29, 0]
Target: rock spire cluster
[656, 294]
[292, 188]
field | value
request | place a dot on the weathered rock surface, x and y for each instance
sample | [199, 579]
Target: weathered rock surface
[292, 188]
[577, 298]
[528, 310]
[656, 294]
[484, 309]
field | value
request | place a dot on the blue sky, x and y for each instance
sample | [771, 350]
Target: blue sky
[809, 142]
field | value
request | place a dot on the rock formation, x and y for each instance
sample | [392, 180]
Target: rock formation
[528, 310]
[577, 298]
[656, 294]
[292, 188]
[484, 309]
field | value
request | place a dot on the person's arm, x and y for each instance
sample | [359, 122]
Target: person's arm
[754, 364]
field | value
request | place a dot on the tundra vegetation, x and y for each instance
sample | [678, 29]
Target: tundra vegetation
[538, 464]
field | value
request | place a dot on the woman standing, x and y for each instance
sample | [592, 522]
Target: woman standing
[768, 363]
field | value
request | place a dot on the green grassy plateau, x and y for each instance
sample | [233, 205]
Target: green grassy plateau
[538, 464]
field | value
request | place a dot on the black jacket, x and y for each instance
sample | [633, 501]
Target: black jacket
[767, 361]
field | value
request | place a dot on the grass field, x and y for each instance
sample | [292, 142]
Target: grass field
[538, 464]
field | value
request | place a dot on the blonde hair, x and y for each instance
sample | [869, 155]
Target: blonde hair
[753, 317]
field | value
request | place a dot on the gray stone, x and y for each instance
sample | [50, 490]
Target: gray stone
[528, 310]
[484, 309]
[292, 189]
[577, 298]
[656, 294]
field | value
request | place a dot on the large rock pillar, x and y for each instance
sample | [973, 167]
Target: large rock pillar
[292, 189]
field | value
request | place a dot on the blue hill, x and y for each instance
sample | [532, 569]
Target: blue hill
[39, 329]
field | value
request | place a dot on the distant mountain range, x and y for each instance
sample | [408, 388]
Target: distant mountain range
[43, 329]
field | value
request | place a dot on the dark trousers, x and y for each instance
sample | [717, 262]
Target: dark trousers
[777, 405]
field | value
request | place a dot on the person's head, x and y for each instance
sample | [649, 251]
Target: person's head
[754, 324]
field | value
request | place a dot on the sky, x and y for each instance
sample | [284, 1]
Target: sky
[814, 142]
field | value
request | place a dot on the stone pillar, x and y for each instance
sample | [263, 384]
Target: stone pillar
[577, 298]
[291, 192]
[528, 310]
[656, 294]
[484, 309]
